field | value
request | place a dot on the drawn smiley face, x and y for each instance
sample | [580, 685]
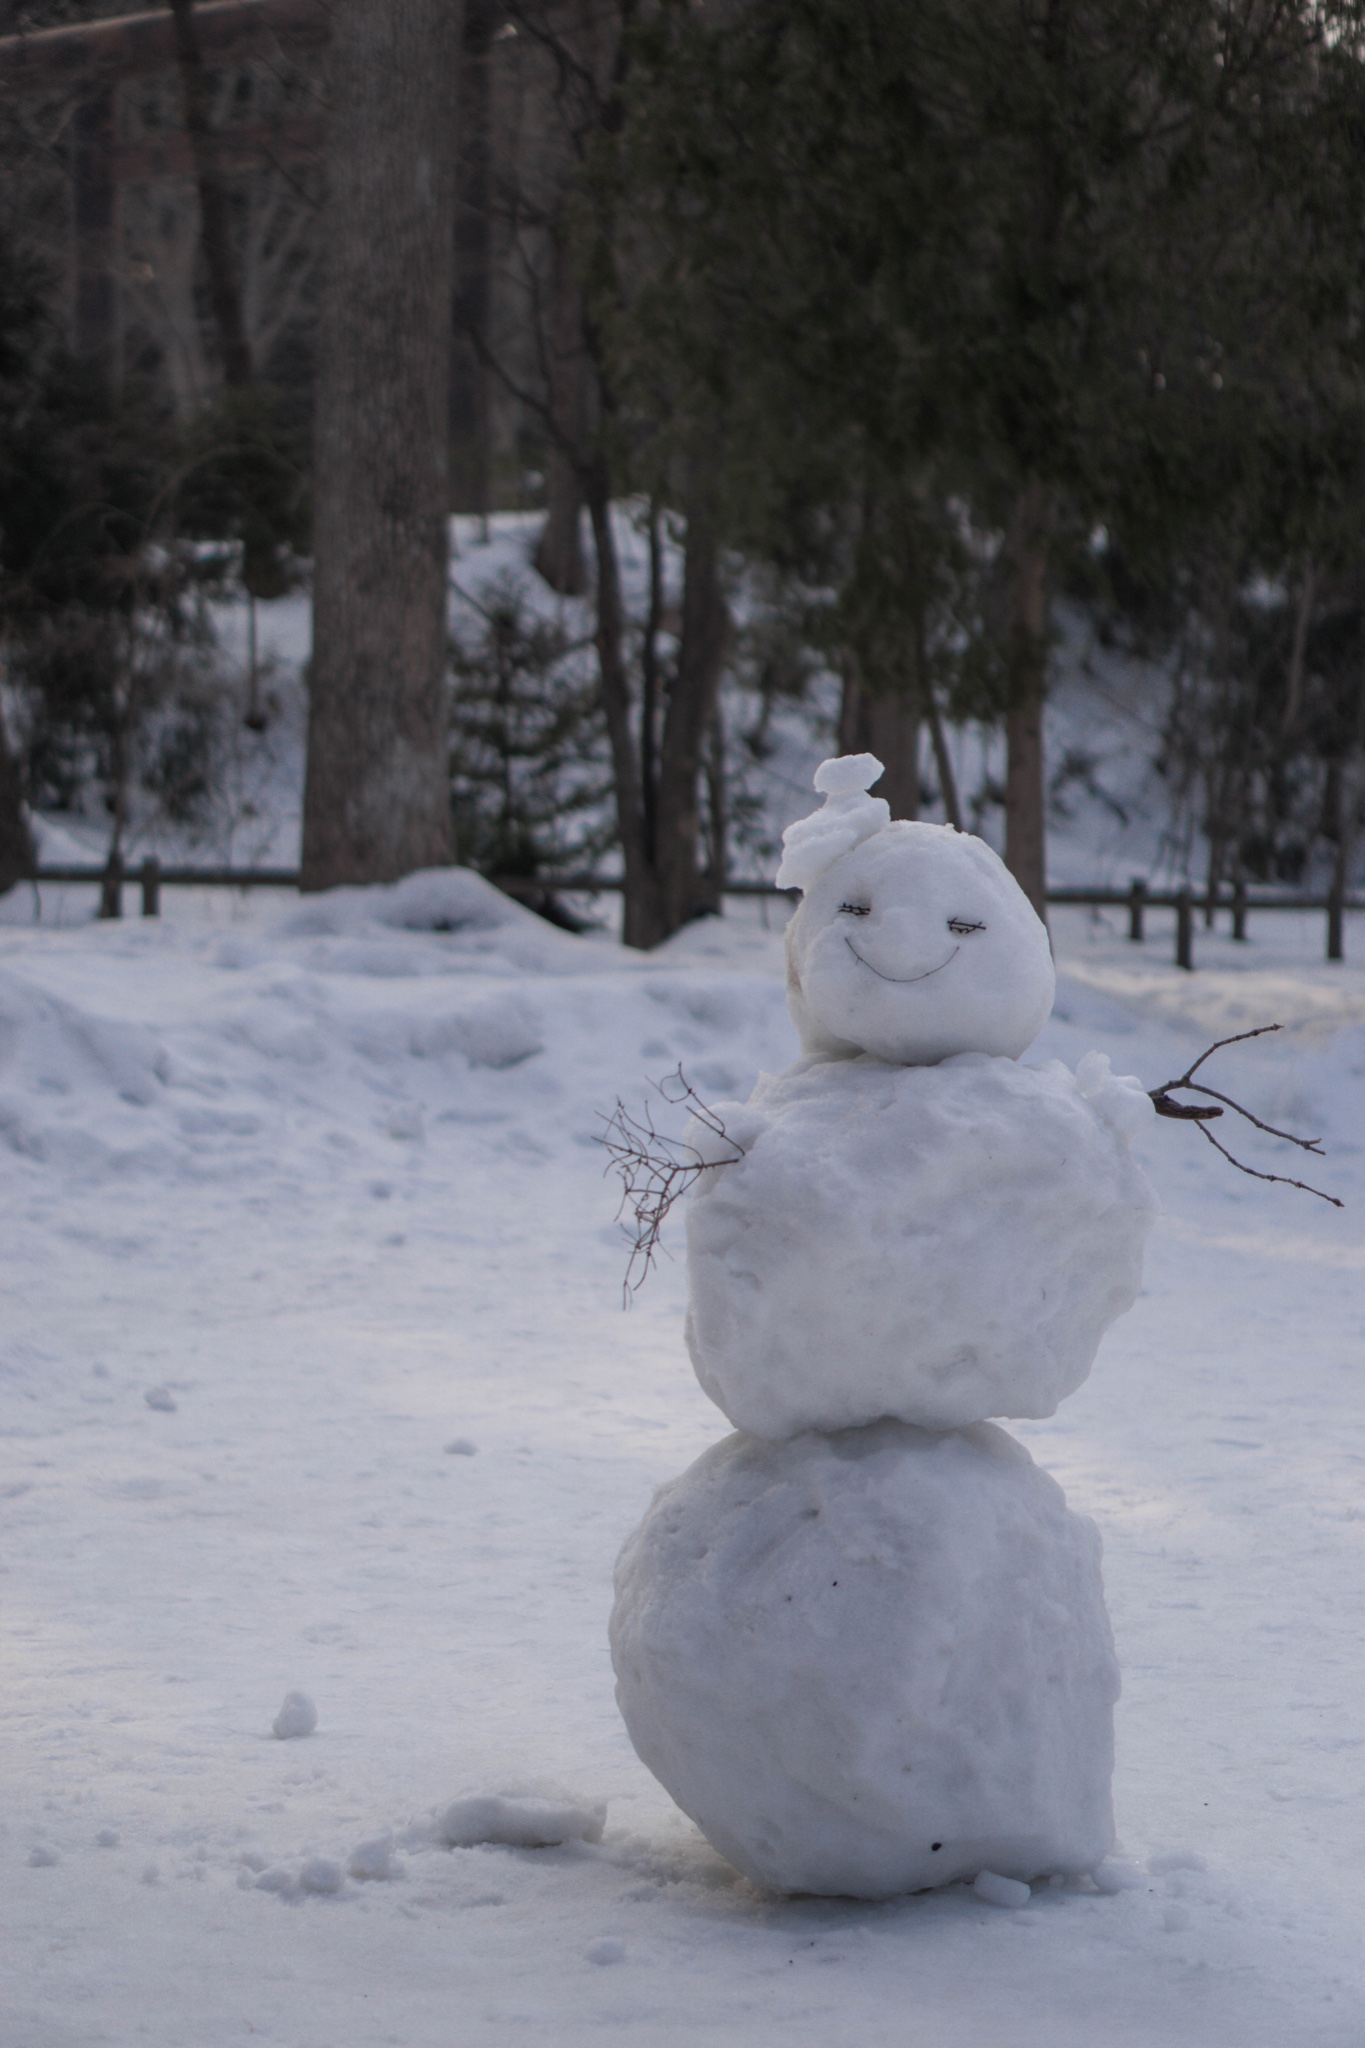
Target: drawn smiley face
[917, 945]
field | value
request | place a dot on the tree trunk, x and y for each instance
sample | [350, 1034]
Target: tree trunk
[691, 708]
[886, 725]
[943, 761]
[1026, 674]
[17, 860]
[215, 231]
[377, 794]
[559, 551]
[640, 910]
[471, 424]
[658, 806]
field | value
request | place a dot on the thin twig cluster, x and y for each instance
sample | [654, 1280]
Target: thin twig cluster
[655, 1170]
[1202, 1114]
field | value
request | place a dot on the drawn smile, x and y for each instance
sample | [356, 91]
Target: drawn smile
[901, 979]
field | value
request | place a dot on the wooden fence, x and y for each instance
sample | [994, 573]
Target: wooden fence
[1239, 903]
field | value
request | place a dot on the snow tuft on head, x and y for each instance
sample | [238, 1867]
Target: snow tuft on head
[847, 817]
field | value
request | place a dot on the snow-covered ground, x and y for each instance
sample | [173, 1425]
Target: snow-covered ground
[295, 1200]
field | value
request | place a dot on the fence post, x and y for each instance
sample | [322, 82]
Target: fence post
[111, 887]
[1137, 903]
[1336, 904]
[151, 886]
[1184, 929]
[1239, 909]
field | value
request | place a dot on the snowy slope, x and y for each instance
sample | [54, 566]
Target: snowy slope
[264, 1165]
[1110, 815]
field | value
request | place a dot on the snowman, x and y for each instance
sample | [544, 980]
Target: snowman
[862, 1642]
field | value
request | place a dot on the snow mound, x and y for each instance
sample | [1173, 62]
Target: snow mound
[939, 1244]
[872, 1662]
[432, 900]
[500, 1031]
[521, 1820]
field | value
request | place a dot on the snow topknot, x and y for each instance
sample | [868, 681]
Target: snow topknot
[847, 817]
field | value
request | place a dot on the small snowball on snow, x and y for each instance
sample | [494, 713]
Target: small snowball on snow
[521, 1820]
[107, 1838]
[373, 1861]
[277, 1880]
[42, 1858]
[1168, 1860]
[298, 1716]
[461, 1447]
[1112, 1877]
[320, 1874]
[607, 1951]
[161, 1398]
[1001, 1891]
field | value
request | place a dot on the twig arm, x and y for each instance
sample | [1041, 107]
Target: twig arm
[1203, 1114]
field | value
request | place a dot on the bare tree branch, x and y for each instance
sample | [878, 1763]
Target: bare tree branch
[1203, 1114]
[656, 1171]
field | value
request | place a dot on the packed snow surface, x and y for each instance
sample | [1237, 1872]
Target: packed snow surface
[872, 1662]
[939, 1244]
[917, 945]
[204, 1186]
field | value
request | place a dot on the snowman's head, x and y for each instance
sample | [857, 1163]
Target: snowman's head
[912, 942]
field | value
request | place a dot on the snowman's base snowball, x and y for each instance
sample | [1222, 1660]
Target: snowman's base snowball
[872, 1662]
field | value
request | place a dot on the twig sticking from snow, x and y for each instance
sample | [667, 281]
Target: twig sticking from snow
[1203, 1114]
[655, 1170]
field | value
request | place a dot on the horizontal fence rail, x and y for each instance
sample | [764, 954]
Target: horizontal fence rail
[1239, 902]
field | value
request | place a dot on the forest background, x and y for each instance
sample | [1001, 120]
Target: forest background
[893, 329]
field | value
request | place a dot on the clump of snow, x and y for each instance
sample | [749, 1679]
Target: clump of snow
[1126, 1106]
[499, 1031]
[461, 1447]
[298, 1716]
[42, 1858]
[321, 1874]
[521, 1820]
[374, 1861]
[940, 1244]
[846, 818]
[107, 1838]
[872, 1662]
[1001, 1891]
[160, 1398]
[1114, 1876]
[917, 945]
[607, 1950]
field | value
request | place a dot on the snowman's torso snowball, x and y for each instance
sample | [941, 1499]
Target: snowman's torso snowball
[872, 1662]
[940, 1244]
